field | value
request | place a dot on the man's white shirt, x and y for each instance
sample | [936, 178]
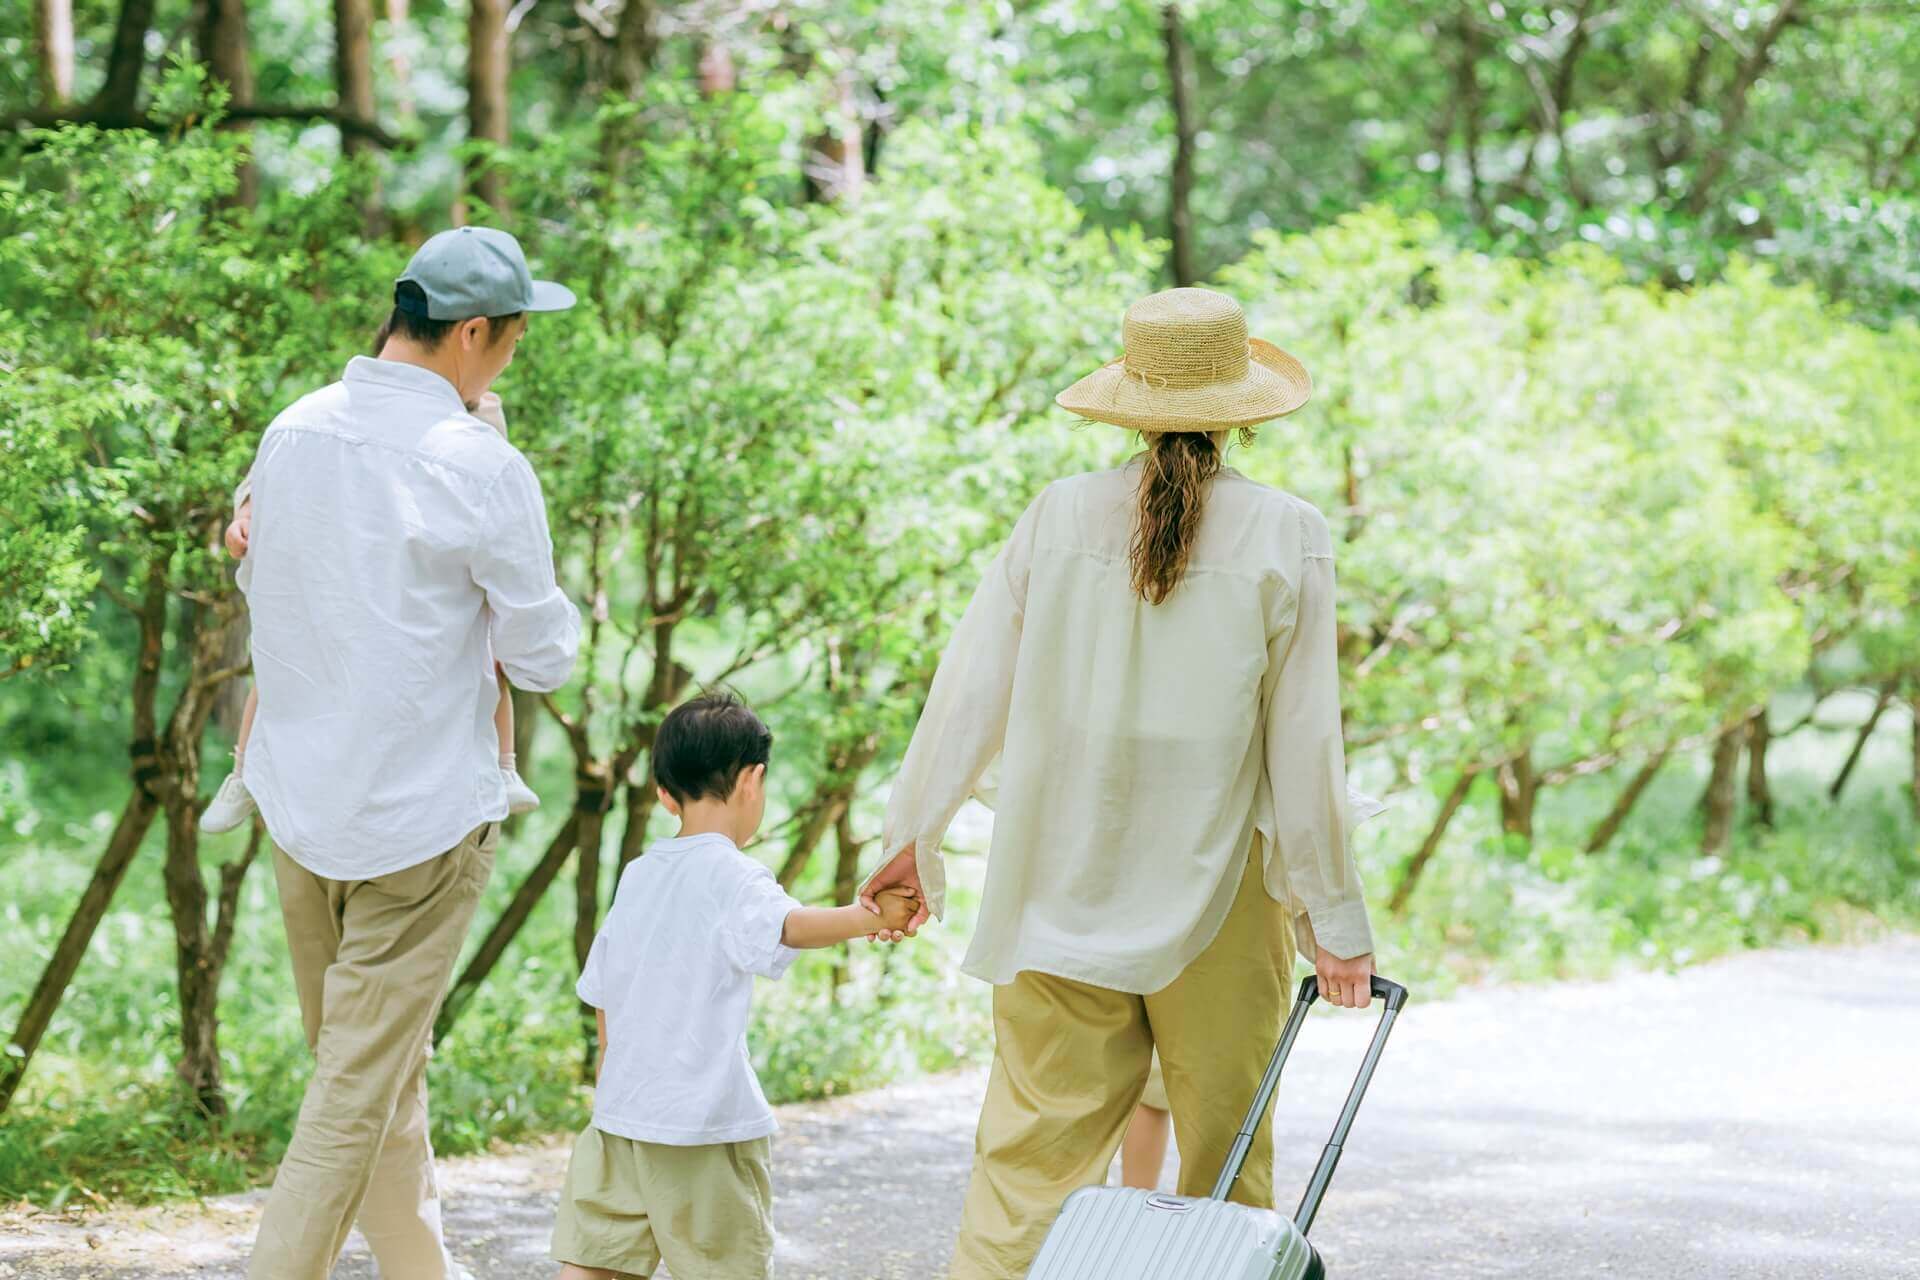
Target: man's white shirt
[399, 547]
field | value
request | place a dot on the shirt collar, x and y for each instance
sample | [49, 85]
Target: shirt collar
[402, 377]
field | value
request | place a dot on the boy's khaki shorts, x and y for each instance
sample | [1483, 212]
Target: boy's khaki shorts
[706, 1211]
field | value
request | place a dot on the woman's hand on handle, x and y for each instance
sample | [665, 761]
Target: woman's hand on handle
[1348, 983]
[902, 872]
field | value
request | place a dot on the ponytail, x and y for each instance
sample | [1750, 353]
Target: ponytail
[1173, 488]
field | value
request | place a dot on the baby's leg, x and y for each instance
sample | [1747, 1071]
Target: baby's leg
[502, 718]
[246, 722]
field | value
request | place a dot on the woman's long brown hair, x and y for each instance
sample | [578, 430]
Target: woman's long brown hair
[1173, 488]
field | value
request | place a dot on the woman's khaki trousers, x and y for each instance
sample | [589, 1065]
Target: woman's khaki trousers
[1070, 1062]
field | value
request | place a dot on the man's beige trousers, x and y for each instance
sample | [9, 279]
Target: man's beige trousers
[371, 962]
[1070, 1062]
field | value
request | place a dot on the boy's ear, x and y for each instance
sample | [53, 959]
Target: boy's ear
[667, 802]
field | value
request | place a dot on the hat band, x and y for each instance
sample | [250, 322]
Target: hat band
[1189, 377]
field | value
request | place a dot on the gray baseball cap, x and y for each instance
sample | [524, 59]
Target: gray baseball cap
[476, 271]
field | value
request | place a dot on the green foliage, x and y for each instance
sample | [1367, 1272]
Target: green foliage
[1584, 516]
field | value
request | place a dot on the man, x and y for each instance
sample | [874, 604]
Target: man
[397, 548]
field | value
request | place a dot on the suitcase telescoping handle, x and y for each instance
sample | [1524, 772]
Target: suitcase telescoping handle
[1393, 996]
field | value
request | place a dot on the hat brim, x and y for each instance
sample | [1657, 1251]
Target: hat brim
[548, 296]
[1274, 386]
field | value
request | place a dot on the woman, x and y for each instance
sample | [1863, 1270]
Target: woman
[1149, 669]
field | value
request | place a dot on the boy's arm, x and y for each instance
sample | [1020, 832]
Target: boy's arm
[808, 927]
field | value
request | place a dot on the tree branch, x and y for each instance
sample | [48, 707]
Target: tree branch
[1735, 113]
[109, 119]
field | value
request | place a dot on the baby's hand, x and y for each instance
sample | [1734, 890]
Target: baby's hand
[238, 531]
[897, 906]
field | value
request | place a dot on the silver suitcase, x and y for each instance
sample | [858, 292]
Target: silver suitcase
[1122, 1233]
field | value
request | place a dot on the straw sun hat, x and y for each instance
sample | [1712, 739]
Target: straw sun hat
[1189, 366]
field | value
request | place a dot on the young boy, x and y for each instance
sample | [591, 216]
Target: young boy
[674, 1166]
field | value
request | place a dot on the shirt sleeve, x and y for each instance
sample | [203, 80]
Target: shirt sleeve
[534, 630]
[592, 987]
[1306, 766]
[964, 723]
[752, 925]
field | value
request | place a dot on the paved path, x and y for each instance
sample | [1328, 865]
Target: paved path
[1757, 1117]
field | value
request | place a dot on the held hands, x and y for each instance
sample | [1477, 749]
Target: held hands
[1347, 983]
[897, 907]
[901, 872]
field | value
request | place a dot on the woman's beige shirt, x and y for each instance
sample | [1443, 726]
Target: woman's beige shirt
[1138, 749]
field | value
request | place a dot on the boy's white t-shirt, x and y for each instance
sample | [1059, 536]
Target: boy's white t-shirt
[693, 921]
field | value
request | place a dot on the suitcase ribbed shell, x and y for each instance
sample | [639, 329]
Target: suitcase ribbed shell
[1123, 1233]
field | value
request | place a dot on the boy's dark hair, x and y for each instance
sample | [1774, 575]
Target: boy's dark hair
[410, 320]
[705, 744]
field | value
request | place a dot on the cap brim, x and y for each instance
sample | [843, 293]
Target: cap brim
[548, 296]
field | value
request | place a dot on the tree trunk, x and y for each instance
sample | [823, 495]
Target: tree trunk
[1609, 826]
[1759, 789]
[487, 95]
[835, 166]
[634, 47]
[846, 881]
[1180, 258]
[1733, 109]
[1410, 870]
[594, 786]
[1518, 790]
[194, 961]
[142, 806]
[507, 927]
[223, 47]
[201, 633]
[1887, 691]
[53, 32]
[1466, 87]
[136, 815]
[1718, 800]
[353, 66]
[641, 799]
[826, 811]
[1913, 785]
[399, 65]
[127, 62]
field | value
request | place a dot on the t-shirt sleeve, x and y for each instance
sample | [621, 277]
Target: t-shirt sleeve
[592, 985]
[751, 926]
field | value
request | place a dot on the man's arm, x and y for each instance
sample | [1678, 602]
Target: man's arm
[535, 628]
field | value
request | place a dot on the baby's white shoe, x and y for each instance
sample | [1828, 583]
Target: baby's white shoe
[520, 796]
[231, 806]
